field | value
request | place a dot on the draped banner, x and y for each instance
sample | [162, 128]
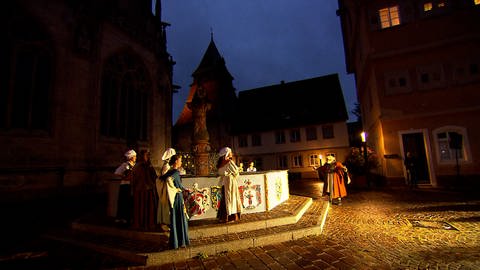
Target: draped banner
[259, 192]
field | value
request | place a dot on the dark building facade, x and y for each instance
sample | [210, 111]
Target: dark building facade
[81, 83]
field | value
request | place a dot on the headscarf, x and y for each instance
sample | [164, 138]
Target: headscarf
[168, 153]
[330, 159]
[224, 151]
[130, 153]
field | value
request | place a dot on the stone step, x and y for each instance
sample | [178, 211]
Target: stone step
[296, 218]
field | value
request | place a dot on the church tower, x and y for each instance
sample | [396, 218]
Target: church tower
[215, 81]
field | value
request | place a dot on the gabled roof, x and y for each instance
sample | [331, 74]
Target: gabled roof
[212, 60]
[213, 75]
[307, 102]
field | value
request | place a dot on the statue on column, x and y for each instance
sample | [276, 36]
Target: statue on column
[200, 106]
[201, 146]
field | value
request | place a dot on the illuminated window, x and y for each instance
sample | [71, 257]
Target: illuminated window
[389, 16]
[427, 6]
[314, 160]
[26, 77]
[297, 161]
[435, 6]
[125, 98]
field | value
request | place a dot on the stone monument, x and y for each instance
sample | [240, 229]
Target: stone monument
[201, 146]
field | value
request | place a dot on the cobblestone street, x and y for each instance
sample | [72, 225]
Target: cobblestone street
[373, 229]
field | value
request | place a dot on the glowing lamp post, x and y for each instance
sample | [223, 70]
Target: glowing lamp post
[365, 155]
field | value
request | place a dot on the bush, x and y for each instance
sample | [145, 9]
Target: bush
[355, 161]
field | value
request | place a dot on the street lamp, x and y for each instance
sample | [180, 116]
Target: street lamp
[365, 155]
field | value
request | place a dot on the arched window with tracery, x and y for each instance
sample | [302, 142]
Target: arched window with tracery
[26, 75]
[125, 98]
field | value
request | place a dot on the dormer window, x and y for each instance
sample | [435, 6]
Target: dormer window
[434, 7]
[389, 16]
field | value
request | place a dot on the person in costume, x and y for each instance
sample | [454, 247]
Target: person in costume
[178, 216]
[124, 200]
[251, 167]
[410, 165]
[144, 193]
[163, 208]
[335, 174]
[240, 167]
[230, 207]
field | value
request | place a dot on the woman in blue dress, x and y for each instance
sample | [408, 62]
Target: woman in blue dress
[178, 217]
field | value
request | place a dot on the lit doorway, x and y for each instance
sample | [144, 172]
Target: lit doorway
[415, 144]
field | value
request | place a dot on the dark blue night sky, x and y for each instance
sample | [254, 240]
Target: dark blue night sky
[262, 41]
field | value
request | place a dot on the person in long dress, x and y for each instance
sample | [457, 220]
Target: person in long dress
[163, 208]
[230, 207]
[335, 179]
[144, 197]
[124, 200]
[178, 217]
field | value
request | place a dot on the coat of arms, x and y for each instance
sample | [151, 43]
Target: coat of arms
[197, 201]
[250, 195]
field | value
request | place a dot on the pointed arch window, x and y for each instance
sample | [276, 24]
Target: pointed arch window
[125, 99]
[26, 76]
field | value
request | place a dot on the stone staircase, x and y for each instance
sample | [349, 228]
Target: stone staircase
[295, 218]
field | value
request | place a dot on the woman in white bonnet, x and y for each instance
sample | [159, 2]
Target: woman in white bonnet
[163, 207]
[230, 203]
[166, 158]
[124, 200]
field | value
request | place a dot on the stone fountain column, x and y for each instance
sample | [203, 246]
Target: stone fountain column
[201, 145]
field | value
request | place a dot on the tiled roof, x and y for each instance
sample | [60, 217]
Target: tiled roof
[307, 102]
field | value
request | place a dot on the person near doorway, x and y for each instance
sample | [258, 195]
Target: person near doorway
[411, 168]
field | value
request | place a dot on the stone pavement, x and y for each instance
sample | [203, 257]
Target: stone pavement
[295, 218]
[373, 229]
